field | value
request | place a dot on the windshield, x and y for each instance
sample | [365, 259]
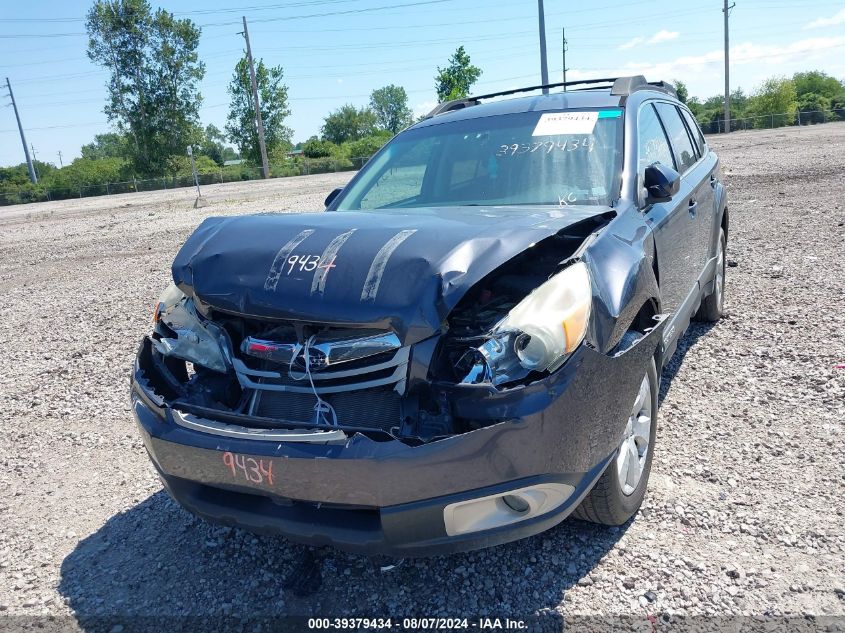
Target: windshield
[530, 158]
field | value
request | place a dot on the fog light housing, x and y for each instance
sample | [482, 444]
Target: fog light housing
[512, 506]
[516, 503]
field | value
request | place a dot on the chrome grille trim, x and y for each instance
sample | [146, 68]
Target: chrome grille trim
[260, 380]
[195, 423]
[325, 353]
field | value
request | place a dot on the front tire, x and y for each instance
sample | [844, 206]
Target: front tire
[620, 490]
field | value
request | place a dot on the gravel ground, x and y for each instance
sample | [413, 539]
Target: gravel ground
[745, 510]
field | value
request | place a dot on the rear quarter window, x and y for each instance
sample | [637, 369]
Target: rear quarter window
[695, 130]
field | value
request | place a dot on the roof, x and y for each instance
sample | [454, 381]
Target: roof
[612, 94]
[574, 100]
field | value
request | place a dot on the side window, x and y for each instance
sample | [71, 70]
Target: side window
[695, 130]
[652, 146]
[681, 144]
[404, 181]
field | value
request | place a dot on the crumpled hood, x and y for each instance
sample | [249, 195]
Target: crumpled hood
[390, 269]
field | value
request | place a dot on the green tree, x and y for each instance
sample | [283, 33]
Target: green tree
[367, 146]
[108, 145]
[456, 80]
[775, 97]
[273, 96]
[348, 123]
[390, 105]
[213, 145]
[154, 74]
[87, 172]
[315, 148]
[681, 89]
[817, 82]
[813, 107]
[180, 165]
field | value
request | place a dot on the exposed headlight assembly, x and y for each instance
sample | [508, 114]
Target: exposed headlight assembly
[539, 333]
[196, 341]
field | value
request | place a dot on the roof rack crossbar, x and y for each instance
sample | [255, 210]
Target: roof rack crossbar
[619, 86]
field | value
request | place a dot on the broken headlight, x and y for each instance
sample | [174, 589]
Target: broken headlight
[538, 334]
[182, 334]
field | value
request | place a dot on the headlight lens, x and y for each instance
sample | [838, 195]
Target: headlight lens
[195, 341]
[540, 332]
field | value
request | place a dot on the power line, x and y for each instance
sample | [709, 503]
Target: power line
[332, 13]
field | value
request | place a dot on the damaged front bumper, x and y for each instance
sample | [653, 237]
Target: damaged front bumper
[356, 493]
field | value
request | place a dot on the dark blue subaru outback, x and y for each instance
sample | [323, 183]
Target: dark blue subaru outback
[464, 348]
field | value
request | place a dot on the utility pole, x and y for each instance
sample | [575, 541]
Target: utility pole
[29, 164]
[544, 66]
[727, 10]
[34, 159]
[563, 35]
[258, 122]
[61, 164]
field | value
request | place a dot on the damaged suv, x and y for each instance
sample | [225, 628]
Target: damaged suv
[464, 349]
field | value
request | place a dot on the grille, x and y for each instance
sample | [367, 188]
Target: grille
[364, 393]
[374, 408]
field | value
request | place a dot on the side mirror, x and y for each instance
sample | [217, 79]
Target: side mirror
[661, 183]
[334, 194]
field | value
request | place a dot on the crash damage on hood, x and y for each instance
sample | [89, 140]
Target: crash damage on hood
[366, 326]
[402, 271]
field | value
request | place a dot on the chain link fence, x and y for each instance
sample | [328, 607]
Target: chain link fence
[234, 173]
[769, 121]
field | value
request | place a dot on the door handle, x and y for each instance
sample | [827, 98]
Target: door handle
[693, 205]
[713, 180]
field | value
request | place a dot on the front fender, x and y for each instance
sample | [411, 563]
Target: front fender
[621, 265]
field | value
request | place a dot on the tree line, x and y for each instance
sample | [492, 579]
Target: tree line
[815, 96]
[153, 103]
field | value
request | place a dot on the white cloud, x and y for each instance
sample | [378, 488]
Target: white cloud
[663, 36]
[741, 54]
[423, 108]
[750, 62]
[835, 19]
[657, 38]
[631, 43]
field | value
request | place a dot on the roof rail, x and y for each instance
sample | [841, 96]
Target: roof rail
[626, 85]
[619, 86]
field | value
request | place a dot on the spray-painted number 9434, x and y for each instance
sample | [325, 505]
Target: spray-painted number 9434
[249, 469]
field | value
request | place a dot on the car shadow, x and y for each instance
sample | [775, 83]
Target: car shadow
[694, 332]
[155, 567]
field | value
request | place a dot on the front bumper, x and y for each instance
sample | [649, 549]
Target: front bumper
[388, 497]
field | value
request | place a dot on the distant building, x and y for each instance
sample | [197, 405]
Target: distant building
[238, 161]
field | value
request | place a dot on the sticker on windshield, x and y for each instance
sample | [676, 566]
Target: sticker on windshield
[555, 123]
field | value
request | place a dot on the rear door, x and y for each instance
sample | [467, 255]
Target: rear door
[672, 224]
[690, 195]
[704, 172]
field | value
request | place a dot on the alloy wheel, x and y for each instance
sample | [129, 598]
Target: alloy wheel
[633, 452]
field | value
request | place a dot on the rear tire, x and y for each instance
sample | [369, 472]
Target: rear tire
[613, 500]
[712, 307]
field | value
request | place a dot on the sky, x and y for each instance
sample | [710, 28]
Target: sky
[337, 51]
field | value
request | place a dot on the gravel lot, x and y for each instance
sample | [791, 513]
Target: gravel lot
[745, 510]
